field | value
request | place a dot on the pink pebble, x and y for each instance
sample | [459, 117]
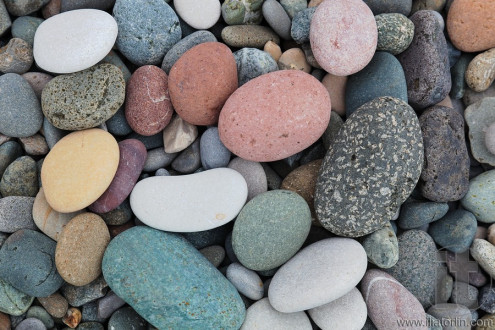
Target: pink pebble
[343, 36]
[275, 116]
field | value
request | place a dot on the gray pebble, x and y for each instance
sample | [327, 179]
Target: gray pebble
[24, 7]
[246, 281]
[16, 56]
[20, 178]
[158, 158]
[25, 27]
[79, 295]
[41, 314]
[215, 254]
[277, 18]
[5, 22]
[126, 319]
[274, 181]
[416, 214]
[9, 152]
[162, 172]
[16, 213]
[252, 63]
[117, 124]
[89, 312]
[465, 294]
[212, 151]
[382, 247]
[253, 173]
[188, 160]
[150, 142]
[300, 25]
[31, 324]
[67, 5]
[292, 7]
[109, 304]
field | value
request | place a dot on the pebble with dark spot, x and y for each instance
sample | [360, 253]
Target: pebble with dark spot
[20, 178]
[395, 32]
[445, 175]
[367, 174]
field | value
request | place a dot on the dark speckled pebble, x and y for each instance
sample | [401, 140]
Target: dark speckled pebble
[117, 124]
[118, 216]
[395, 32]
[458, 76]
[390, 6]
[16, 212]
[27, 262]
[455, 231]
[445, 175]
[486, 299]
[80, 295]
[150, 142]
[300, 25]
[126, 319]
[252, 63]
[20, 178]
[426, 62]
[67, 5]
[370, 169]
[184, 45]
[416, 268]
[89, 312]
[202, 239]
[91, 326]
[417, 214]
[188, 160]
[213, 153]
[383, 76]
[9, 151]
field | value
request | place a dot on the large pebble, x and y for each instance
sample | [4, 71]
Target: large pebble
[347, 312]
[389, 302]
[270, 229]
[395, 32]
[469, 24]
[147, 30]
[20, 110]
[132, 157]
[426, 62]
[15, 214]
[480, 198]
[248, 36]
[370, 169]
[479, 117]
[74, 41]
[480, 72]
[445, 175]
[250, 126]
[183, 46]
[80, 249]
[201, 81]
[198, 14]
[252, 63]
[383, 76]
[343, 36]
[13, 301]
[49, 221]
[416, 268]
[455, 231]
[20, 178]
[27, 262]
[16, 57]
[213, 197]
[261, 315]
[79, 169]
[320, 273]
[84, 99]
[148, 108]
[146, 268]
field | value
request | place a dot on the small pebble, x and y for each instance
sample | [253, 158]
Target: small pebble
[79, 295]
[199, 15]
[455, 231]
[484, 253]
[41, 314]
[252, 62]
[277, 18]
[255, 36]
[246, 281]
[212, 151]
[215, 254]
[294, 59]
[236, 12]
[382, 247]
[55, 305]
[254, 175]
[336, 87]
[25, 27]
[273, 49]
[126, 319]
[109, 304]
[416, 214]
[189, 160]
[395, 32]
[16, 57]
[480, 72]
[20, 178]
[31, 324]
[262, 313]
[72, 318]
[34, 145]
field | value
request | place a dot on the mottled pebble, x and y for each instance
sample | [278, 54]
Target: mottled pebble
[382, 247]
[248, 36]
[16, 56]
[455, 231]
[20, 178]
[252, 63]
[15, 214]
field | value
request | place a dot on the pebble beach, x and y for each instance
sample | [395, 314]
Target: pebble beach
[247, 164]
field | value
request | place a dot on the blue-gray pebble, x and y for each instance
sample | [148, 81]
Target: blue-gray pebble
[386, 6]
[184, 45]
[146, 268]
[416, 214]
[383, 76]
[117, 124]
[126, 319]
[147, 30]
[13, 301]
[20, 110]
[24, 27]
[31, 324]
[213, 153]
[67, 5]
[277, 18]
[188, 160]
[41, 314]
[300, 25]
[252, 63]
[27, 262]
[9, 151]
[455, 231]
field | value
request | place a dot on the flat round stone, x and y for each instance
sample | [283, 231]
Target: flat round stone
[213, 198]
[79, 169]
[74, 41]
[200, 15]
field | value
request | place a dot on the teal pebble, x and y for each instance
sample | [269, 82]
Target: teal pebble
[24, 27]
[416, 214]
[13, 301]
[480, 198]
[292, 7]
[382, 247]
[455, 231]
[146, 268]
[126, 319]
[41, 314]
[301, 22]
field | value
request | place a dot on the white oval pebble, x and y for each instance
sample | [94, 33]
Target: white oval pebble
[246, 281]
[189, 203]
[348, 312]
[318, 274]
[261, 315]
[200, 15]
[74, 40]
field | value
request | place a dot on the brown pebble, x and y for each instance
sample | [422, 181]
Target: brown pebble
[56, 305]
[115, 230]
[16, 56]
[294, 59]
[446, 102]
[4, 138]
[491, 234]
[35, 145]
[37, 81]
[72, 318]
[302, 181]
[314, 3]
[273, 49]
[480, 72]
[51, 9]
[335, 86]
[4, 321]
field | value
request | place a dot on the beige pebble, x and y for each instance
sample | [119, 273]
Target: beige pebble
[273, 49]
[178, 135]
[4, 138]
[480, 72]
[314, 3]
[484, 253]
[80, 249]
[72, 318]
[294, 59]
[335, 86]
[446, 102]
[49, 221]
[56, 305]
[52, 8]
[35, 145]
[491, 233]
